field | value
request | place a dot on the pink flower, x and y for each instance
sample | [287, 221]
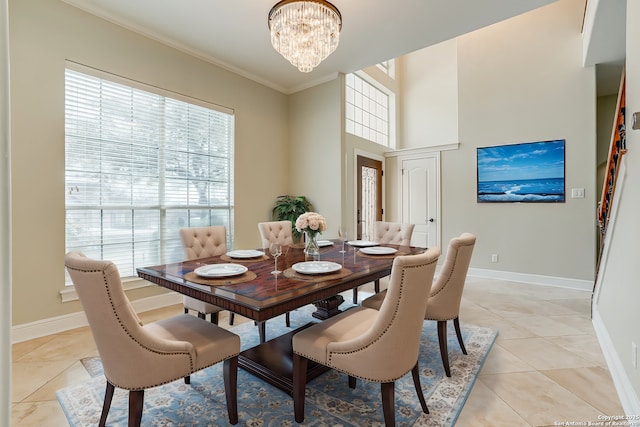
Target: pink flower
[311, 221]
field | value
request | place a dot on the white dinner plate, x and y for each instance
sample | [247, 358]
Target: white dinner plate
[323, 243]
[362, 243]
[378, 250]
[316, 267]
[220, 270]
[245, 253]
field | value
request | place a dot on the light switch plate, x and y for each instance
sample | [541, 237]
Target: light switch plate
[636, 121]
[577, 193]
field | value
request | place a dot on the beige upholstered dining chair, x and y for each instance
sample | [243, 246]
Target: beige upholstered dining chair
[446, 293]
[203, 242]
[276, 232]
[363, 343]
[392, 233]
[136, 356]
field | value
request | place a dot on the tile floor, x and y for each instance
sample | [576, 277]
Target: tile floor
[545, 367]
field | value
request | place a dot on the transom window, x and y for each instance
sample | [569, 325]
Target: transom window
[139, 165]
[388, 67]
[368, 109]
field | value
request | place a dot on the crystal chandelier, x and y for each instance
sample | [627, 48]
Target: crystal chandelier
[305, 31]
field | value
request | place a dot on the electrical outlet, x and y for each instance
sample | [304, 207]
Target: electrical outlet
[634, 354]
[494, 258]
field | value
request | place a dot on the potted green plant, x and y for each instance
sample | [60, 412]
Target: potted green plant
[290, 208]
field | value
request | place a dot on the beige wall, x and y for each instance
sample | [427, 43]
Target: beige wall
[617, 304]
[520, 80]
[505, 92]
[45, 33]
[323, 156]
[5, 223]
[315, 151]
[429, 97]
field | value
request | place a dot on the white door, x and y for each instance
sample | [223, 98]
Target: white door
[420, 198]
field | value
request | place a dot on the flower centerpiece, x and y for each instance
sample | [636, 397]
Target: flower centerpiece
[311, 224]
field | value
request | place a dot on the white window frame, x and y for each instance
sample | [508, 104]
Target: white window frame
[358, 115]
[166, 205]
[388, 67]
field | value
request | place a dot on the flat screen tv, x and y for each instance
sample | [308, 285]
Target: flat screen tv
[531, 172]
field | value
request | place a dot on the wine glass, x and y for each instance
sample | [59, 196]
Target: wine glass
[275, 250]
[342, 233]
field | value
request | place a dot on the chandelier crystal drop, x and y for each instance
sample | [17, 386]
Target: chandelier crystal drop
[305, 32]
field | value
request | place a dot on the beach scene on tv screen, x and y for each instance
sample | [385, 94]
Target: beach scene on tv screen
[527, 172]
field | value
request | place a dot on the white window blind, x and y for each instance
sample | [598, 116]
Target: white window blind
[138, 167]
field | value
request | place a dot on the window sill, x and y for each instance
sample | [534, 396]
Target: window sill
[69, 293]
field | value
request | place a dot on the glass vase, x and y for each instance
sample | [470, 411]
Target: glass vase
[311, 248]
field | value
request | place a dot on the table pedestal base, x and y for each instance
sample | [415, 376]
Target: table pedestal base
[272, 361]
[327, 307]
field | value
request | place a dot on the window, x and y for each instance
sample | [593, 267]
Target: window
[139, 166]
[388, 67]
[368, 109]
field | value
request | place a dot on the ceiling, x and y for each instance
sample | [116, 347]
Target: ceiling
[234, 34]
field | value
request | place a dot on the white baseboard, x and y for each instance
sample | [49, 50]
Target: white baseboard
[54, 325]
[536, 279]
[626, 393]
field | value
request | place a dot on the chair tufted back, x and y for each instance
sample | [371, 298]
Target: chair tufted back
[203, 242]
[446, 292]
[276, 232]
[389, 348]
[132, 357]
[393, 233]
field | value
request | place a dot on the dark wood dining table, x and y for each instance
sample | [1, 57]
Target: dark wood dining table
[260, 295]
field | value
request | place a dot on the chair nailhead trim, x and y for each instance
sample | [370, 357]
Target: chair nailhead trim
[454, 268]
[191, 361]
[395, 313]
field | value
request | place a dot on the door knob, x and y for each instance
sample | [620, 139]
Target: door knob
[431, 220]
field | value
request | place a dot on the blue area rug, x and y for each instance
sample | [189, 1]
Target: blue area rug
[329, 400]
